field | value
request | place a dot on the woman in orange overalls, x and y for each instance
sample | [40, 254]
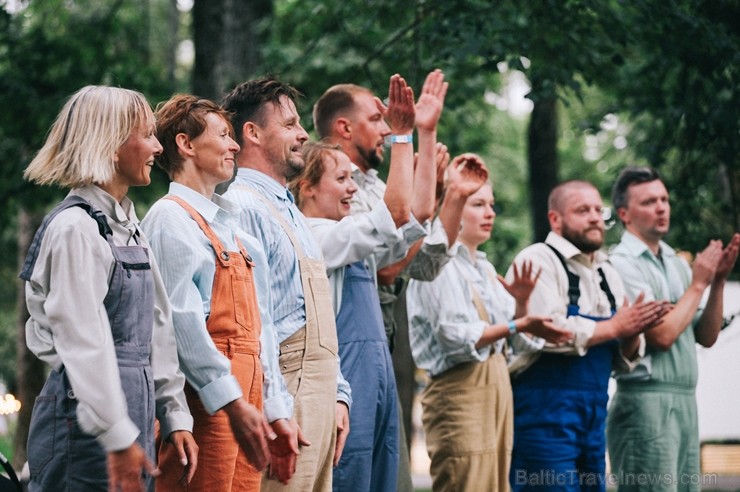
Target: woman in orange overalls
[210, 270]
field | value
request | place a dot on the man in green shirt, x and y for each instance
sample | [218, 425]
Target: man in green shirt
[652, 427]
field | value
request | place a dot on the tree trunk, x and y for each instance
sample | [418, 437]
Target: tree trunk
[31, 371]
[226, 43]
[542, 142]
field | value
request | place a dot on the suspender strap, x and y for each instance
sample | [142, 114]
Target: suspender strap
[574, 291]
[71, 201]
[281, 220]
[218, 247]
[605, 287]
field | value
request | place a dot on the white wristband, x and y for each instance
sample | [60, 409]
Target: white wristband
[393, 139]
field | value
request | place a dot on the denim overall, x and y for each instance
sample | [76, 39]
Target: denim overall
[61, 456]
[370, 458]
[560, 411]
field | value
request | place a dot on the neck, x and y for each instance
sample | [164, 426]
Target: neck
[196, 184]
[351, 151]
[306, 207]
[653, 243]
[472, 248]
[261, 165]
[114, 189]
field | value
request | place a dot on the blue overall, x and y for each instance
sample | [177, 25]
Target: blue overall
[62, 457]
[370, 458]
[560, 412]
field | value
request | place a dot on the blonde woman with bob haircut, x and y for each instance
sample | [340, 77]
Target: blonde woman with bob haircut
[99, 314]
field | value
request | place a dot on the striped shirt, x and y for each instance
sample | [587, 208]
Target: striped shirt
[444, 324]
[289, 308]
[188, 267]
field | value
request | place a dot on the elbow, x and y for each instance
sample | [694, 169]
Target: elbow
[661, 343]
[401, 215]
[707, 342]
[423, 213]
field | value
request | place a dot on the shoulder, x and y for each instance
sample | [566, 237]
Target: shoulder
[164, 217]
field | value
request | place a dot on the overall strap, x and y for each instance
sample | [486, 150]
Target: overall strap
[607, 290]
[278, 216]
[221, 253]
[574, 291]
[71, 201]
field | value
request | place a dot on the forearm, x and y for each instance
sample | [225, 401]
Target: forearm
[709, 324]
[400, 179]
[675, 322]
[629, 347]
[450, 213]
[491, 334]
[425, 176]
[387, 275]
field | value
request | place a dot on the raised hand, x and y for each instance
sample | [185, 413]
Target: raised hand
[524, 281]
[442, 159]
[729, 257]
[631, 320]
[400, 112]
[431, 101]
[467, 173]
[706, 262]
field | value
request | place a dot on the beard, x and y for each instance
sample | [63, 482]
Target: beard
[581, 240]
[372, 157]
[293, 168]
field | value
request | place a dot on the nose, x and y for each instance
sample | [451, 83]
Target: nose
[302, 134]
[234, 147]
[158, 148]
[352, 186]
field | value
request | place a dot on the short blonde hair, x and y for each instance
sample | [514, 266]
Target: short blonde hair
[82, 143]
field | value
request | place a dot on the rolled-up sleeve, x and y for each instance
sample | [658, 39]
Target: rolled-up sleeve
[207, 370]
[172, 407]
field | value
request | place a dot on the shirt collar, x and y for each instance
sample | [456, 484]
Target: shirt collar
[123, 213]
[208, 209]
[261, 180]
[637, 247]
[364, 178]
[570, 251]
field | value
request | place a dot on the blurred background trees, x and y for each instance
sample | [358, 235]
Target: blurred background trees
[607, 83]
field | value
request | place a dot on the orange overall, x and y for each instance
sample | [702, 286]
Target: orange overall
[234, 325]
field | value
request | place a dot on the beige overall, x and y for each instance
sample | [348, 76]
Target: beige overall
[468, 422]
[308, 361]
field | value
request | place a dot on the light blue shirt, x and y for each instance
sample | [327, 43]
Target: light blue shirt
[187, 263]
[661, 277]
[444, 324]
[289, 307]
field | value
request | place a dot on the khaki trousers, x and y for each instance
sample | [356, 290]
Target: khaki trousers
[468, 421]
